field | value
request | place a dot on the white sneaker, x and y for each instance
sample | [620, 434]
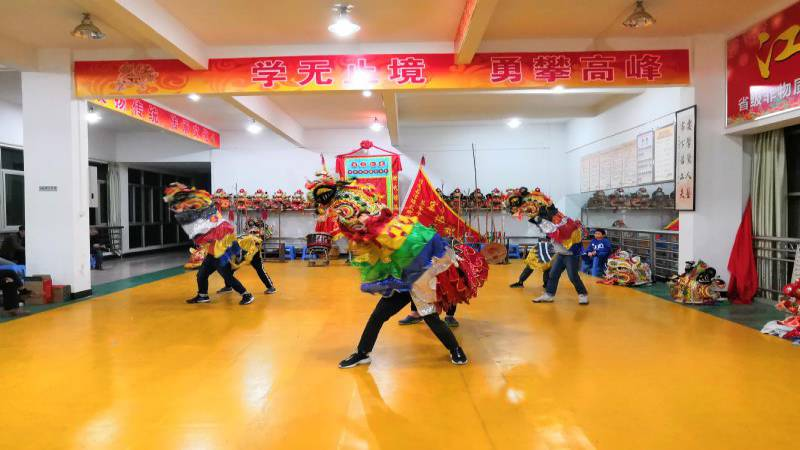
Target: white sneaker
[583, 299]
[544, 298]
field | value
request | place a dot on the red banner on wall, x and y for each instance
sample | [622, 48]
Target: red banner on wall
[764, 68]
[393, 72]
[157, 116]
[424, 203]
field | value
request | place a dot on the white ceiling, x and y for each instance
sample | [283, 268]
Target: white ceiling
[212, 112]
[258, 22]
[332, 110]
[419, 109]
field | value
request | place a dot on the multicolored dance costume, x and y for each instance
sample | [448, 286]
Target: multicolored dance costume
[195, 211]
[565, 234]
[400, 259]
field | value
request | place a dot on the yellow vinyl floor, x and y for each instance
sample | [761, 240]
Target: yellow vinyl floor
[140, 369]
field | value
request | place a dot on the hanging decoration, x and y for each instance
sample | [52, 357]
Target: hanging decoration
[380, 171]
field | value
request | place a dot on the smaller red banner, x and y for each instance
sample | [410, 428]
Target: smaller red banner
[424, 203]
[157, 116]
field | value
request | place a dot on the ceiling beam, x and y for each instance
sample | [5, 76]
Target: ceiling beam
[16, 55]
[264, 111]
[474, 21]
[149, 21]
[392, 116]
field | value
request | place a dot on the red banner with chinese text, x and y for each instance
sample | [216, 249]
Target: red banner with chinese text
[157, 116]
[764, 68]
[239, 76]
[424, 203]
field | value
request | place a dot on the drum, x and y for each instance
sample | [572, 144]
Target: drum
[318, 241]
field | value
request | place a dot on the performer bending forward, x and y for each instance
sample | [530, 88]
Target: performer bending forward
[202, 222]
[402, 261]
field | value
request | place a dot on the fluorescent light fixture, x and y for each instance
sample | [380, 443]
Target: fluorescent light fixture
[254, 127]
[366, 93]
[93, 116]
[194, 97]
[558, 89]
[514, 122]
[375, 125]
[343, 26]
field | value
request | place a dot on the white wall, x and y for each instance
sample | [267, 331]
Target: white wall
[652, 109]
[102, 144]
[10, 124]
[505, 158]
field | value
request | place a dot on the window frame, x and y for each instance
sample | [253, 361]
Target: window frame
[4, 226]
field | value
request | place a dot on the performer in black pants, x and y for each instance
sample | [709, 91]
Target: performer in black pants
[259, 268]
[209, 266]
[384, 310]
[526, 272]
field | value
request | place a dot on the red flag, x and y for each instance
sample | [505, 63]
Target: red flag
[424, 203]
[742, 263]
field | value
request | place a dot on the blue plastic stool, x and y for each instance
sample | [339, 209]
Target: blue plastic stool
[513, 251]
[289, 252]
[20, 270]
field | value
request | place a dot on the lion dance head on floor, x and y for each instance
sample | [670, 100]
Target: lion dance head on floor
[541, 211]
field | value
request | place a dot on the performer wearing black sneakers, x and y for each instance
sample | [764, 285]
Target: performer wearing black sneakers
[211, 265]
[388, 307]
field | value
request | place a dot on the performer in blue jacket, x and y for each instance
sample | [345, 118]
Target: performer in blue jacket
[596, 254]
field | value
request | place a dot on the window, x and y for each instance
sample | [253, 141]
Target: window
[793, 175]
[99, 215]
[12, 188]
[150, 222]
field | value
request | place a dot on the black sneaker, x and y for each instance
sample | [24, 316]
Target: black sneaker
[517, 285]
[271, 290]
[458, 357]
[225, 289]
[199, 298]
[355, 359]
[451, 321]
[410, 320]
[247, 298]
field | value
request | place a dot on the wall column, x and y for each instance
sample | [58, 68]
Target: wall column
[56, 174]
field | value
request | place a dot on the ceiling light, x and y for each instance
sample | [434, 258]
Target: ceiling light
[514, 122]
[639, 18]
[93, 116]
[254, 127]
[366, 93]
[87, 29]
[558, 89]
[375, 125]
[194, 97]
[343, 26]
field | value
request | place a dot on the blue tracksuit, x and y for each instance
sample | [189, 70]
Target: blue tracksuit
[596, 265]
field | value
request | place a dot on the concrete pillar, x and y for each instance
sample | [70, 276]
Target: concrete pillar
[56, 174]
[708, 232]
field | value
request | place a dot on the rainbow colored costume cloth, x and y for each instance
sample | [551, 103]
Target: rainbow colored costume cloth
[397, 253]
[201, 220]
[562, 230]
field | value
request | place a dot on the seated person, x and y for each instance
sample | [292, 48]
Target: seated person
[10, 286]
[13, 247]
[596, 254]
[97, 248]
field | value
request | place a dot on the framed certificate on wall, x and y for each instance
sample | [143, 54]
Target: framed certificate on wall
[685, 146]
